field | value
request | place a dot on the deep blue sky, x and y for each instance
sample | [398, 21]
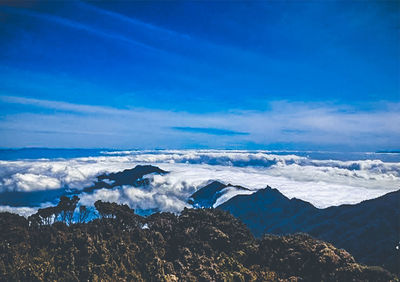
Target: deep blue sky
[295, 75]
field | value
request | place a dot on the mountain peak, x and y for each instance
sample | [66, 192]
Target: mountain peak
[133, 176]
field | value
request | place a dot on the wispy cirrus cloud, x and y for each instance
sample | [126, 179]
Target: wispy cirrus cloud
[207, 130]
[131, 20]
[59, 105]
[319, 125]
[82, 26]
[170, 56]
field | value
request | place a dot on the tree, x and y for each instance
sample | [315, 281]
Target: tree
[84, 214]
[47, 215]
[64, 210]
[124, 216]
[66, 207]
[105, 209]
[34, 220]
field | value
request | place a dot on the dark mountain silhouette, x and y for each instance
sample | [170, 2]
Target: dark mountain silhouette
[197, 245]
[132, 177]
[369, 230]
[208, 195]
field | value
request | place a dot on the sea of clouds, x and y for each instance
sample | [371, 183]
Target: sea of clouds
[323, 182]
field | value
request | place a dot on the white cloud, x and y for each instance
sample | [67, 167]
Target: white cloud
[27, 182]
[24, 211]
[298, 123]
[230, 192]
[322, 182]
[147, 198]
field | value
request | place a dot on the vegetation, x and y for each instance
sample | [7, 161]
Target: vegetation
[368, 230]
[197, 245]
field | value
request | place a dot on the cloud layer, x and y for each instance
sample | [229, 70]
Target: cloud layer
[297, 124]
[321, 182]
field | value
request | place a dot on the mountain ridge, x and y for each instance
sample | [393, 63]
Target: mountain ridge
[369, 230]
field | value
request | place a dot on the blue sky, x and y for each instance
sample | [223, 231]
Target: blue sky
[279, 75]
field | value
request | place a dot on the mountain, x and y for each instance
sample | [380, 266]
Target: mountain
[197, 245]
[132, 177]
[369, 230]
[208, 195]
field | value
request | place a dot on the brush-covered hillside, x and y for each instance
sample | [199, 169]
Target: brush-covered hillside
[197, 245]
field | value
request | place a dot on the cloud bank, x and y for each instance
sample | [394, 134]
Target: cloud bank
[322, 182]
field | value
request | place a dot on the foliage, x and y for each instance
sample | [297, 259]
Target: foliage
[197, 245]
[64, 212]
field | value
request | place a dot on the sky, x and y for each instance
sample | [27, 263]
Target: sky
[295, 75]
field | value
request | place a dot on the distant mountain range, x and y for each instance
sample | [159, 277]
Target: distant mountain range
[369, 230]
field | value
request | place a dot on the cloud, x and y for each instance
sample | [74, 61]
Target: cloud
[211, 131]
[230, 192]
[322, 182]
[27, 182]
[148, 198]
[23, 211]
[132, 21]
[81, 26]
[62, 106]
[317, 125]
